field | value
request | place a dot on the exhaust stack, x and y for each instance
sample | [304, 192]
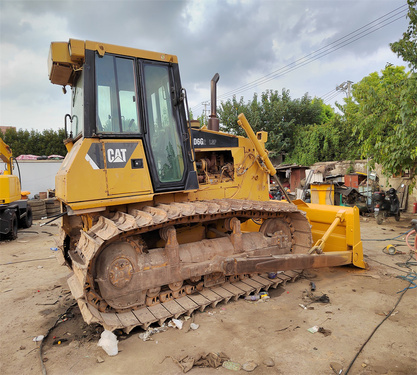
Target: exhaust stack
[213, 122]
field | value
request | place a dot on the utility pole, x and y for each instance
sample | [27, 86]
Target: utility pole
[346, 87]
[206, 103]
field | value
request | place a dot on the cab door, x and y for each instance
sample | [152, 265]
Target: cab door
[167, 136]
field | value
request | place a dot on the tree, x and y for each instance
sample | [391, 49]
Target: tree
[406, 47]
[331, 140]
[278, 114]
[49, 142]
[384, 119]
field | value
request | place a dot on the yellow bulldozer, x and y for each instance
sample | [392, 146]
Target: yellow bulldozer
[14, 211]
[161, 218]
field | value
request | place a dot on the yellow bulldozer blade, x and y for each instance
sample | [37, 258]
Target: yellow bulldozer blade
[335, 229]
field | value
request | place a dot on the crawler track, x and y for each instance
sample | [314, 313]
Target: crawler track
[119, 226]
[186, 305]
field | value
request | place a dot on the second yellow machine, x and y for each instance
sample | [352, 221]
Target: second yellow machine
[160, 218]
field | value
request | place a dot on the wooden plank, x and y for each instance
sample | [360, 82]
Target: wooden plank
[144, 316]
[174, 308]
[128, 319]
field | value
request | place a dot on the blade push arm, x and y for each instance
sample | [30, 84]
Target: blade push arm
[243, 122]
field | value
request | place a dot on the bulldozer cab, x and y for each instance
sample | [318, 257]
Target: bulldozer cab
[117, 94]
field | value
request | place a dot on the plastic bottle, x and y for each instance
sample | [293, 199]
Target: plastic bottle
[254, 297]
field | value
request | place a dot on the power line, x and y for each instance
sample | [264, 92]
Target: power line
[330, 48]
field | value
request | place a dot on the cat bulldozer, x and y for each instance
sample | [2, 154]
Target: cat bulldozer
[161, 218]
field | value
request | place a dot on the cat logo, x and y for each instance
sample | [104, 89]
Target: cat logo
[117, 155]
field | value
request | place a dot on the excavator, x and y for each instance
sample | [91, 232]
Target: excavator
[14, 211]
[160, 217]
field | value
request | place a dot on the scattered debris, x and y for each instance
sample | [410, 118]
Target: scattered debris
[213, 360]
[108, 341]
[234, 366]
[249, 366]
[312, 286]
[324, 331]
[38, 338]
[99, 359]
[194, 326]
[336, 367]
[258, 296]
[324, 298]
[269, 362]
[176, 323]
[59, 341]
[313, 329]
[145, 336]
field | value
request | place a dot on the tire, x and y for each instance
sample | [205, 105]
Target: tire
[379, 218]
[36, 203]
[13, 232]
[27, 220]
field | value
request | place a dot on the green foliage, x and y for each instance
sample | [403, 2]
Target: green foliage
[406, 47]
[23, 142]
[384, 118]
[278, 114]
[332, 140]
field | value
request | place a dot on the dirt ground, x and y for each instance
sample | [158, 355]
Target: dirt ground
[34, 294]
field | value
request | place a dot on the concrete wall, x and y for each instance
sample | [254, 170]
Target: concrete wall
[38, 175]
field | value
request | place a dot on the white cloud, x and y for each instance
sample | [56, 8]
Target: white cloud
[241, 40]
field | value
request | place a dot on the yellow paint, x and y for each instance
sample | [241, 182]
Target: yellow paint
[79, 184]
[322, 194]
[66, 57]
[9, 188]
[345, 236]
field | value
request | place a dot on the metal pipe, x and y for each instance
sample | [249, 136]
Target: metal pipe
[213, 122]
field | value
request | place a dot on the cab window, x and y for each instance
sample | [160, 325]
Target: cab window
[117, 108]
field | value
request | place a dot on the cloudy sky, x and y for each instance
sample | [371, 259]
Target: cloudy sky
[303, 46]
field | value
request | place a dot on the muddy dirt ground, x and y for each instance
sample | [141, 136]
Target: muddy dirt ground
[34, 294]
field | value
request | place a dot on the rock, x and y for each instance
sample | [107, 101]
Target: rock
[249, 366]
[269, 362]
[100, 360]
[234, 366]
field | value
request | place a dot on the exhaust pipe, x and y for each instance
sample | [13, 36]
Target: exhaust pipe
[213, 122]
